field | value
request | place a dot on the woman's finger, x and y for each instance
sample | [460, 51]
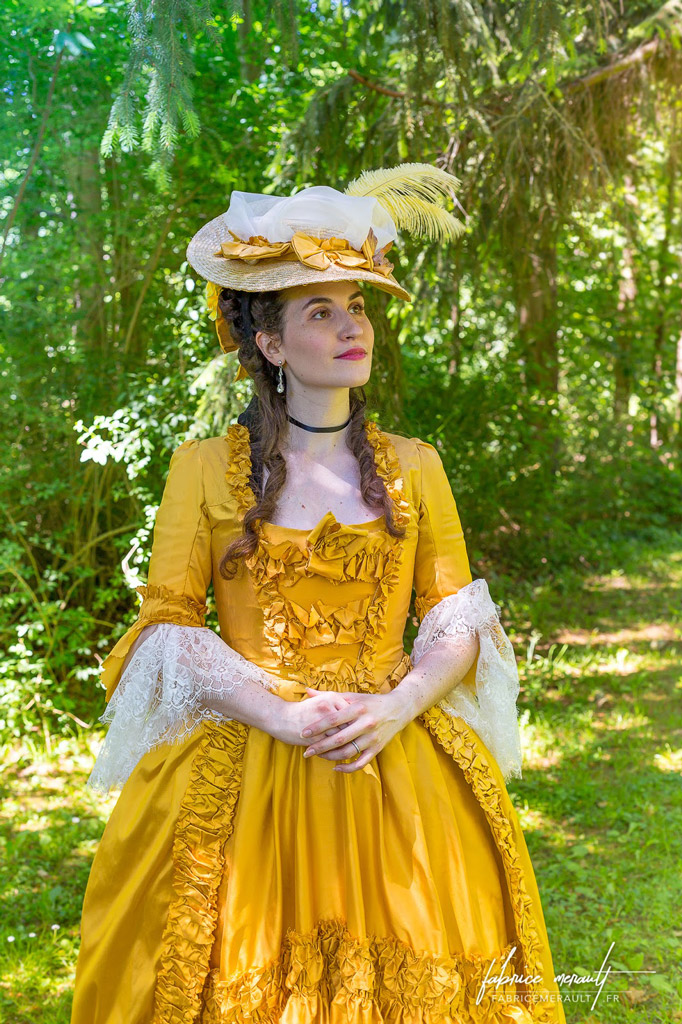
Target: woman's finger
[330, 720]
[359, 762]
[338, 742]
[339, 752]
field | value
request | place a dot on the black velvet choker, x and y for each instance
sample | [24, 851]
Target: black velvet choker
[317, 430]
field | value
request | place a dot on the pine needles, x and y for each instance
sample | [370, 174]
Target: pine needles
[159, 53]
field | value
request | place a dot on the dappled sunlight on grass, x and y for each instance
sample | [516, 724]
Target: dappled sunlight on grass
[50, 826]
[601, 794]
[619, 721]
[669, 761]
[649, 633]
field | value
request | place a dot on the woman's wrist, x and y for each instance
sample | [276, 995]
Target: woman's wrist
[402, 699]
[250, 702]
[437, 673]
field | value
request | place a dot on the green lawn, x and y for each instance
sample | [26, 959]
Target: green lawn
[601, 796]
[600, 800]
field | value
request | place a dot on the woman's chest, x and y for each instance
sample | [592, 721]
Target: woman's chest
[311, 489]
[320, 596]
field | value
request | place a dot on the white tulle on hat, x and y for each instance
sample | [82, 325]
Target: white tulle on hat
[320, 211]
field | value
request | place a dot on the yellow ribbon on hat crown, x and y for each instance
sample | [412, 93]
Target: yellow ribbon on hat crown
[318, 253]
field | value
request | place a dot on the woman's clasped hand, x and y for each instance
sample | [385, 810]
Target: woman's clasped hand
[328, 722]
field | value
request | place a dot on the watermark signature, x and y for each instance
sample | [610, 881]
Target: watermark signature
[597, 979]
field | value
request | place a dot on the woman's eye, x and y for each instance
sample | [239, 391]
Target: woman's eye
[356, 305]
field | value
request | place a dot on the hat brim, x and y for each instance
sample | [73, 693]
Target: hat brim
[270, 274]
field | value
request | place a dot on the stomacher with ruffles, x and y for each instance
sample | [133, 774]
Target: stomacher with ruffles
[237, 880]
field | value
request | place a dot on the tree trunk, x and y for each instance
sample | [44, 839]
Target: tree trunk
[667, 263]
[538, 316]
[678, 394]
[249, 69]
[623, 369]
[534, 272]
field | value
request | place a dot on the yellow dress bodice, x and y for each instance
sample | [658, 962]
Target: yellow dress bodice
[325, 607]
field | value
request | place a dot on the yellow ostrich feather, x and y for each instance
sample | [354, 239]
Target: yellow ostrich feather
[408, 192]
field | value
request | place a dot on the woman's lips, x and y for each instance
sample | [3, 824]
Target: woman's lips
[354, 353]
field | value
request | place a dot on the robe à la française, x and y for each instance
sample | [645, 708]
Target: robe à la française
[237, 880]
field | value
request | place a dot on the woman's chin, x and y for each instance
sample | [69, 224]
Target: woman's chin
[354, 376]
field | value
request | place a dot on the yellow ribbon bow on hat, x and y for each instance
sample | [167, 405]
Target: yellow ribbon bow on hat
[319, 253]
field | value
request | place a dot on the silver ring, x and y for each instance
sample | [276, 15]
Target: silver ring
[356, 746]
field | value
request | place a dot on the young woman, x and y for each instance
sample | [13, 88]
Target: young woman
[313, 825]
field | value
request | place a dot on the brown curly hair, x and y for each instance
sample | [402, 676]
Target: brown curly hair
[265, 416]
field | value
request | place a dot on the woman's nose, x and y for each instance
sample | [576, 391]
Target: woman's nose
[351, 328]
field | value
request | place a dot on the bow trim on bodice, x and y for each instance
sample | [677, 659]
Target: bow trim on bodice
[332, 550]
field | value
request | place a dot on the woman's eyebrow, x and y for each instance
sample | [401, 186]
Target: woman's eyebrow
[321, 298]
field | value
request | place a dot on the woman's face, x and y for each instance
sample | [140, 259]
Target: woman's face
[321, 323]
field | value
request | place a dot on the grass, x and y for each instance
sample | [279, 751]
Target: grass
[600, 800]
[601, 796]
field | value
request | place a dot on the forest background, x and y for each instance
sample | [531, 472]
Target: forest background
[542, 353]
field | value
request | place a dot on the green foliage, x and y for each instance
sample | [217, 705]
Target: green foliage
[158, 52]
[539, 353]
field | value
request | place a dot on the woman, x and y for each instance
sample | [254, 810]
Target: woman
[313, 825]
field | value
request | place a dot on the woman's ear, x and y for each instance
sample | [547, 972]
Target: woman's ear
[269, 344]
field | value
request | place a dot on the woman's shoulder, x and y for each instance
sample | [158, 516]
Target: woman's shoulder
[214, 460]
[413, 452]
[423, 472]
[419, 462]
[228, 465]
[219, 449]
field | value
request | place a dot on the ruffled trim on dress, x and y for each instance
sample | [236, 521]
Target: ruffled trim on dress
[462, 744]
[159, 600]
[338, 552]
[238, 471]
[422, 605]
[329, 976]
[159, 604]
[205, 822]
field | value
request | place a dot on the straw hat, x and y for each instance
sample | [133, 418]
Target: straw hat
[265, 242]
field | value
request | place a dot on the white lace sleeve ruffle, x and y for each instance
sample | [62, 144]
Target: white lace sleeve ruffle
[160, 696]
[491, 710]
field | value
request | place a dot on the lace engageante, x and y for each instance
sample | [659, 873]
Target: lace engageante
[163, 692]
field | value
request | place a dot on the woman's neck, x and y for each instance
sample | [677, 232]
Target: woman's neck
[331, 413]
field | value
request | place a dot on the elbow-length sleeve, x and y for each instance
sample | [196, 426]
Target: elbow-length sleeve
[179, 569]
[175, 663]
[452, 609]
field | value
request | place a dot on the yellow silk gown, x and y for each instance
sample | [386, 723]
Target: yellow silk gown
[237, 880]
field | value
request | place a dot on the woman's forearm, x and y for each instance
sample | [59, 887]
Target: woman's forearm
[250, 703]
[436, 674]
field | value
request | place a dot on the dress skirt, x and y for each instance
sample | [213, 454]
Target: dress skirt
[238, 881]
